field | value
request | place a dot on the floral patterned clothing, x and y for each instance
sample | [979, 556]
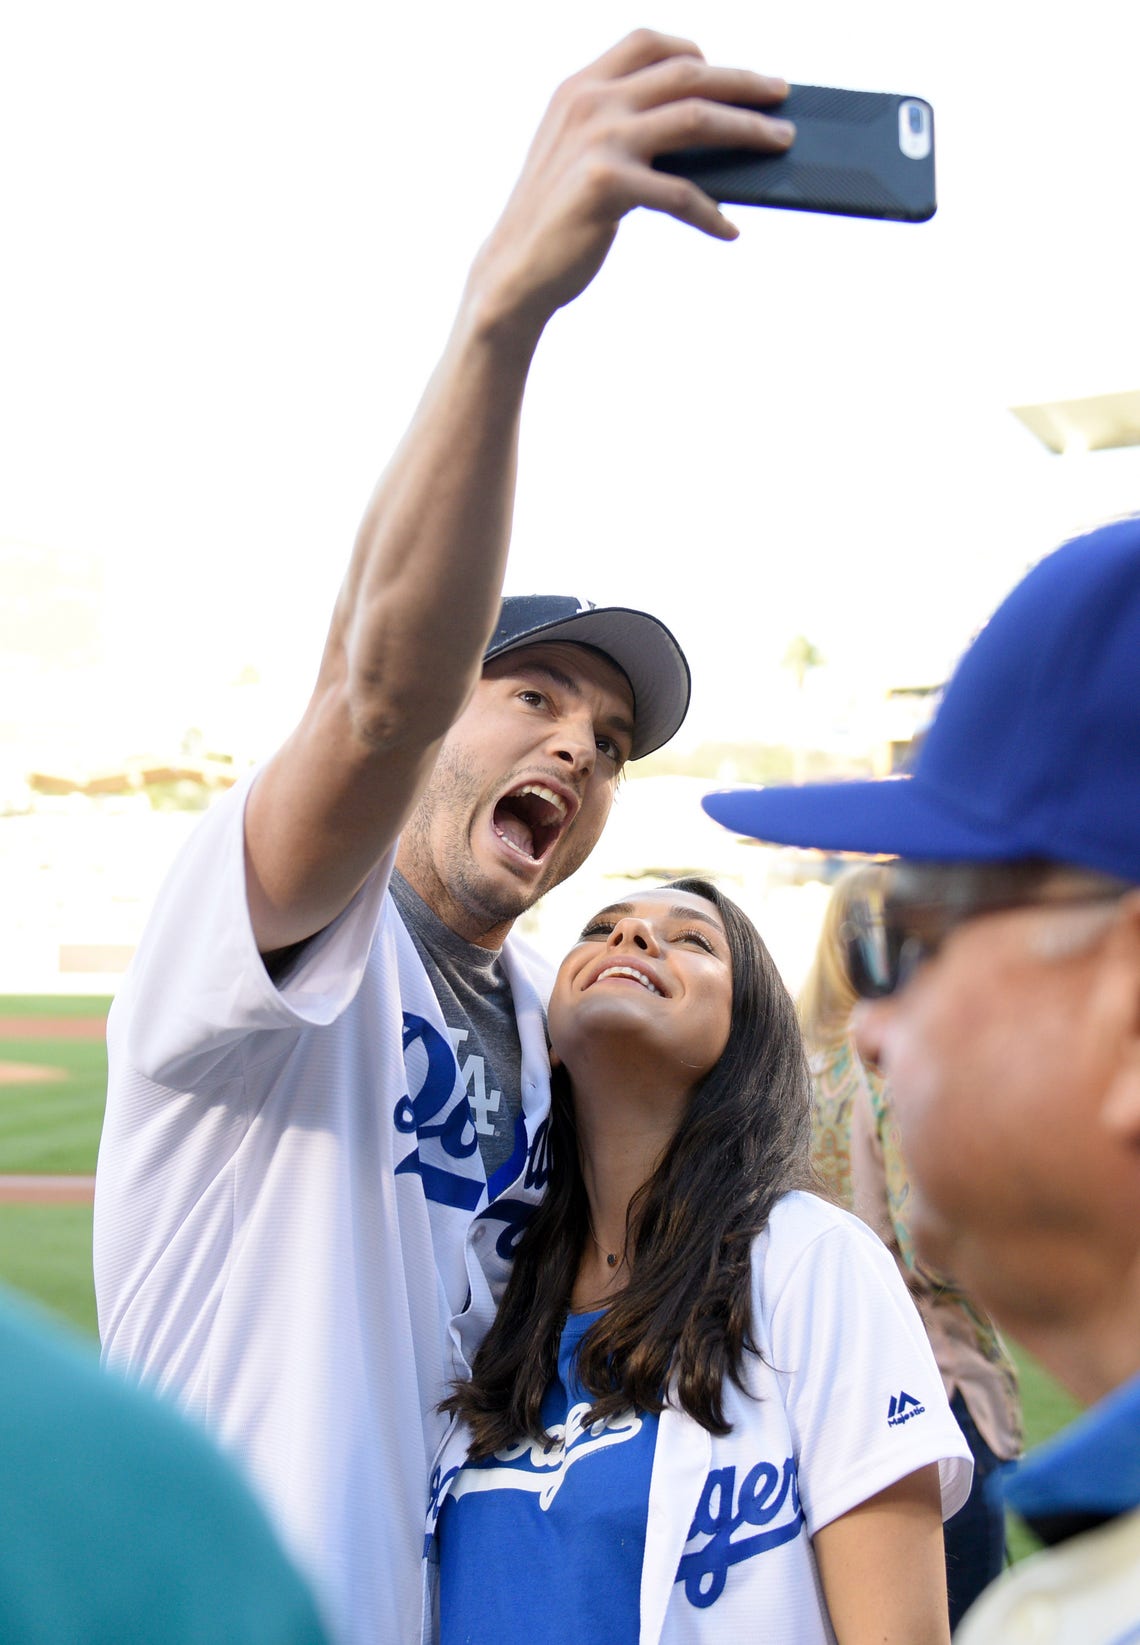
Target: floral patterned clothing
[856, 1151]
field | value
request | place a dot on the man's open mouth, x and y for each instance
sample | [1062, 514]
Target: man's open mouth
[530, 819]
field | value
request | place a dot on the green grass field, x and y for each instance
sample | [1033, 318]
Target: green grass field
[45, 1250]
[52, 1127]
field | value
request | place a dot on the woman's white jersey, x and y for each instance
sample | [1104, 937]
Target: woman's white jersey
[842, 1399]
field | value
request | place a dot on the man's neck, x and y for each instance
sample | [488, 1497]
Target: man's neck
[1090, 1350]
[430, 889]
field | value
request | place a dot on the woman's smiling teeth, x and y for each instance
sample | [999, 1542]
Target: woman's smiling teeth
[627, 971]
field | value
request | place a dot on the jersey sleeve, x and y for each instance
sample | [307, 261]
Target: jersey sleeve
[198, 987]
[863, 1395]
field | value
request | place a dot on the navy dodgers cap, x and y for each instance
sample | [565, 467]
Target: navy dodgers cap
[1034, 751]
[635, 642]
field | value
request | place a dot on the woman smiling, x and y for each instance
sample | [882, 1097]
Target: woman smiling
[706, 1409]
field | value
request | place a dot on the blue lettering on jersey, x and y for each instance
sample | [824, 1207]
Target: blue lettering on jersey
[440, 1115]
[455, 1132]
[514, 1214]
[769, 1496]
[438, 1491]
[538, 1160]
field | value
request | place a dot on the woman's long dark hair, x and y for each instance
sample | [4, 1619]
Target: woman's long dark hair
[684, 1317]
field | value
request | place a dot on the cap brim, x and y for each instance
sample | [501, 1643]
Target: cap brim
[644, 650]
[895, 816]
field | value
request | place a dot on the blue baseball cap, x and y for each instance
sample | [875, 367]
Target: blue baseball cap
[1034, 751]
[636, 643]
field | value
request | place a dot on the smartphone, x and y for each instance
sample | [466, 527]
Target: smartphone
[856, 154]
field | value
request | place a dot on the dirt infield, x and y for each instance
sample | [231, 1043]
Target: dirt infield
[47, 1190]
[26, 1188]
[29, 1073]
[53, 1028]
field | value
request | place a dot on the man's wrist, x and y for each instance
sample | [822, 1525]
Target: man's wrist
[500, 313]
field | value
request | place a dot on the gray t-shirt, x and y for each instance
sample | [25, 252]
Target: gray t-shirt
[474, 995]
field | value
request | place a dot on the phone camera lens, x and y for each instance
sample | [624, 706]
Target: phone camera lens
[916, 128]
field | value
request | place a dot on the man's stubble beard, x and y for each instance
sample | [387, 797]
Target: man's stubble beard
[450, 879]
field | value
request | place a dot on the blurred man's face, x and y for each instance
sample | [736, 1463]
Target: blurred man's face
[1004, 1049]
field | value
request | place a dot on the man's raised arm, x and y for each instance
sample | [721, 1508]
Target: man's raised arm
[422, 590]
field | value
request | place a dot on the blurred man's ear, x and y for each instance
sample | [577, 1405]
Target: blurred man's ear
[1121, 1110]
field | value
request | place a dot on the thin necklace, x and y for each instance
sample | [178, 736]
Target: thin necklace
[610, 1256]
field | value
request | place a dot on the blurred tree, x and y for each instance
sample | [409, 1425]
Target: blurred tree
[801, 656]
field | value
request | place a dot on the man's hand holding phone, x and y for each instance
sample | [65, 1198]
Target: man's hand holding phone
[591, 162]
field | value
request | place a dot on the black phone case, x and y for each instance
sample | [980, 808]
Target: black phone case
[846, 160]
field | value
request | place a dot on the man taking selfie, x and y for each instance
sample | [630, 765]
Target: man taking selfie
[326, 1122]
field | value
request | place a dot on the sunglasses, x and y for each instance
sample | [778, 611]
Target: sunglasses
[891, 930]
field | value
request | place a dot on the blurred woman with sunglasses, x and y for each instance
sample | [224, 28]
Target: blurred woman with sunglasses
[706, 1410]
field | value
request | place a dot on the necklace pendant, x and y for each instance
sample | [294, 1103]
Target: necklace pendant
[611, 1259]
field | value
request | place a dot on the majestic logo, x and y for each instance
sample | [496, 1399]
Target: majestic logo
[541, 1466]
[903, 1406]
[767, 1499]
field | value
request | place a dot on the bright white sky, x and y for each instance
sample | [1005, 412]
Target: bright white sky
[235, 232]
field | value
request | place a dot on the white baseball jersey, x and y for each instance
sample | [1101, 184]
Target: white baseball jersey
[844, 1400]
[292, 1229]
